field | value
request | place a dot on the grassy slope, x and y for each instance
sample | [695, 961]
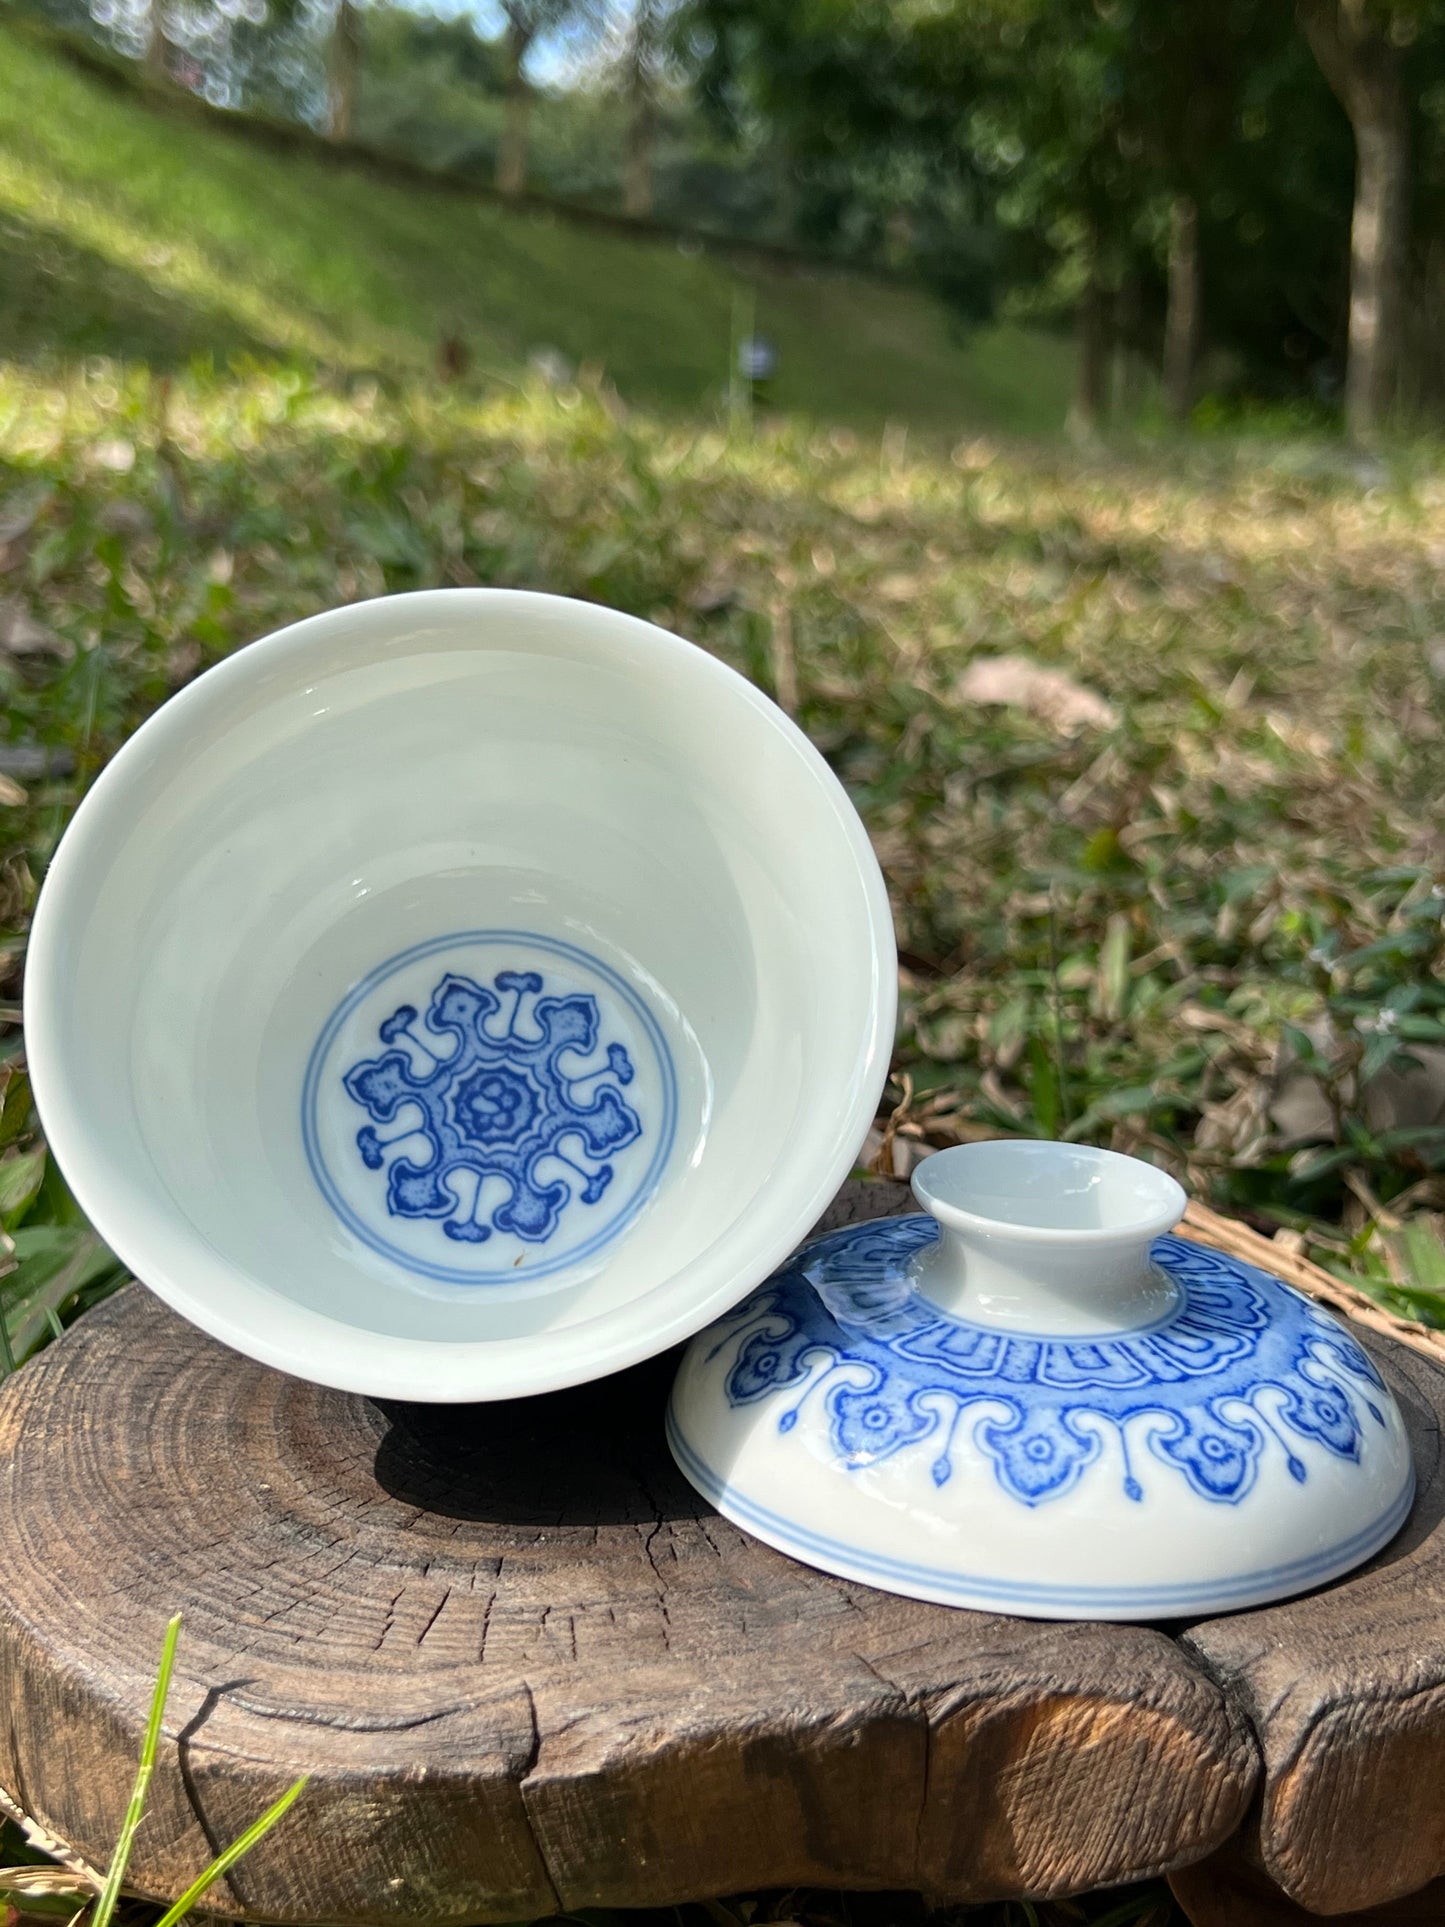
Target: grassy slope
[125, 233]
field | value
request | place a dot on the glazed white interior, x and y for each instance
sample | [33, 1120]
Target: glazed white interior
[423, 770]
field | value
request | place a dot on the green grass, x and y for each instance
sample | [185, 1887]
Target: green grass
[1121, 933]
[159, 239]
[69, 1891]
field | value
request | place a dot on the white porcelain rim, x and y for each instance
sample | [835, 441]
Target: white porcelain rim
[175, 1262]
[1173, 1197]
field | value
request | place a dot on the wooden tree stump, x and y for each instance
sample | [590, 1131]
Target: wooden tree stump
[1346, 1692]
[529, 1669]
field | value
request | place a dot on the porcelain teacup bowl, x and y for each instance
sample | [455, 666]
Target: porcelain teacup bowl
[460, 995]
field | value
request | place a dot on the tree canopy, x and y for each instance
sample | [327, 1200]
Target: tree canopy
[1244, 195]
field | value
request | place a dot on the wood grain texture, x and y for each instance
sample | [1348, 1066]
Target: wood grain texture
[1229, 1889]
[527, 1667]
[1345, 1690]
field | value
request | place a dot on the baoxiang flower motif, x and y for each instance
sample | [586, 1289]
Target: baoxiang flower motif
[496, 1085]
[1242, 1362]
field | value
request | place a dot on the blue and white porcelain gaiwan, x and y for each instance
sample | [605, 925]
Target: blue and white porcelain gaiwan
[1033, 1401]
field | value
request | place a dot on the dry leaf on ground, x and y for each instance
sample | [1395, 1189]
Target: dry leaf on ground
[44, 1882]
[22, 635]
[1049, 694]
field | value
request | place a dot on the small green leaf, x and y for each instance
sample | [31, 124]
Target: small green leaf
[1007, 1025]
[28, 1905]
[1425, 1306]
[52, 1263]
[1379, 1052]
[56, 1202]
[1420, 1257]
[15, 1110]
[21, 1175]
[1134, 1100]
[1303, 1055]
[1399, 945]
[1104, 852]
[1421, 1138]
[1111, 995]
[1312, 1163]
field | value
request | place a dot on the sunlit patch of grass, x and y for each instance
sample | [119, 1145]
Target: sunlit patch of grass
[128, 232]
[181, 269]
[1128, 932]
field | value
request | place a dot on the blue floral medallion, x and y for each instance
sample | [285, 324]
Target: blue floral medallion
[1241, 1366]
[496, 1102]
[519, 1114]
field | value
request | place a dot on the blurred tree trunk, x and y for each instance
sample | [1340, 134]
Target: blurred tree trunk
[637, 182]
[516, 110]
[637, 197]
[1096, 347]
[343, 78]
[157, 65]
[1128, 386]
[1351, 41]
[1185, 304]
[900, 237]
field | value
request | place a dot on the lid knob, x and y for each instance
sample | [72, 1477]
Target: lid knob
[1048, 1238]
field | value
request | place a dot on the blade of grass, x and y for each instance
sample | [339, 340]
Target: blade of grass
[1057, 1000]
[110, 1893]
[223, 1862]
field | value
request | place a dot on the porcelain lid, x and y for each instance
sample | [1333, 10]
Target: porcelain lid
[1033, 1402]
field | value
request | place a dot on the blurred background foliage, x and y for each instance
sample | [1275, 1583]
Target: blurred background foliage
[304, 302]
[1175, 178]
[1150, 754]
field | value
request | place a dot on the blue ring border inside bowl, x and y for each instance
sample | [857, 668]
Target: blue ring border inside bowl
[454, 1275]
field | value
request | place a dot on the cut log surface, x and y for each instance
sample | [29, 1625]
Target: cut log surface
[1346, 1691]
[529, 1669]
